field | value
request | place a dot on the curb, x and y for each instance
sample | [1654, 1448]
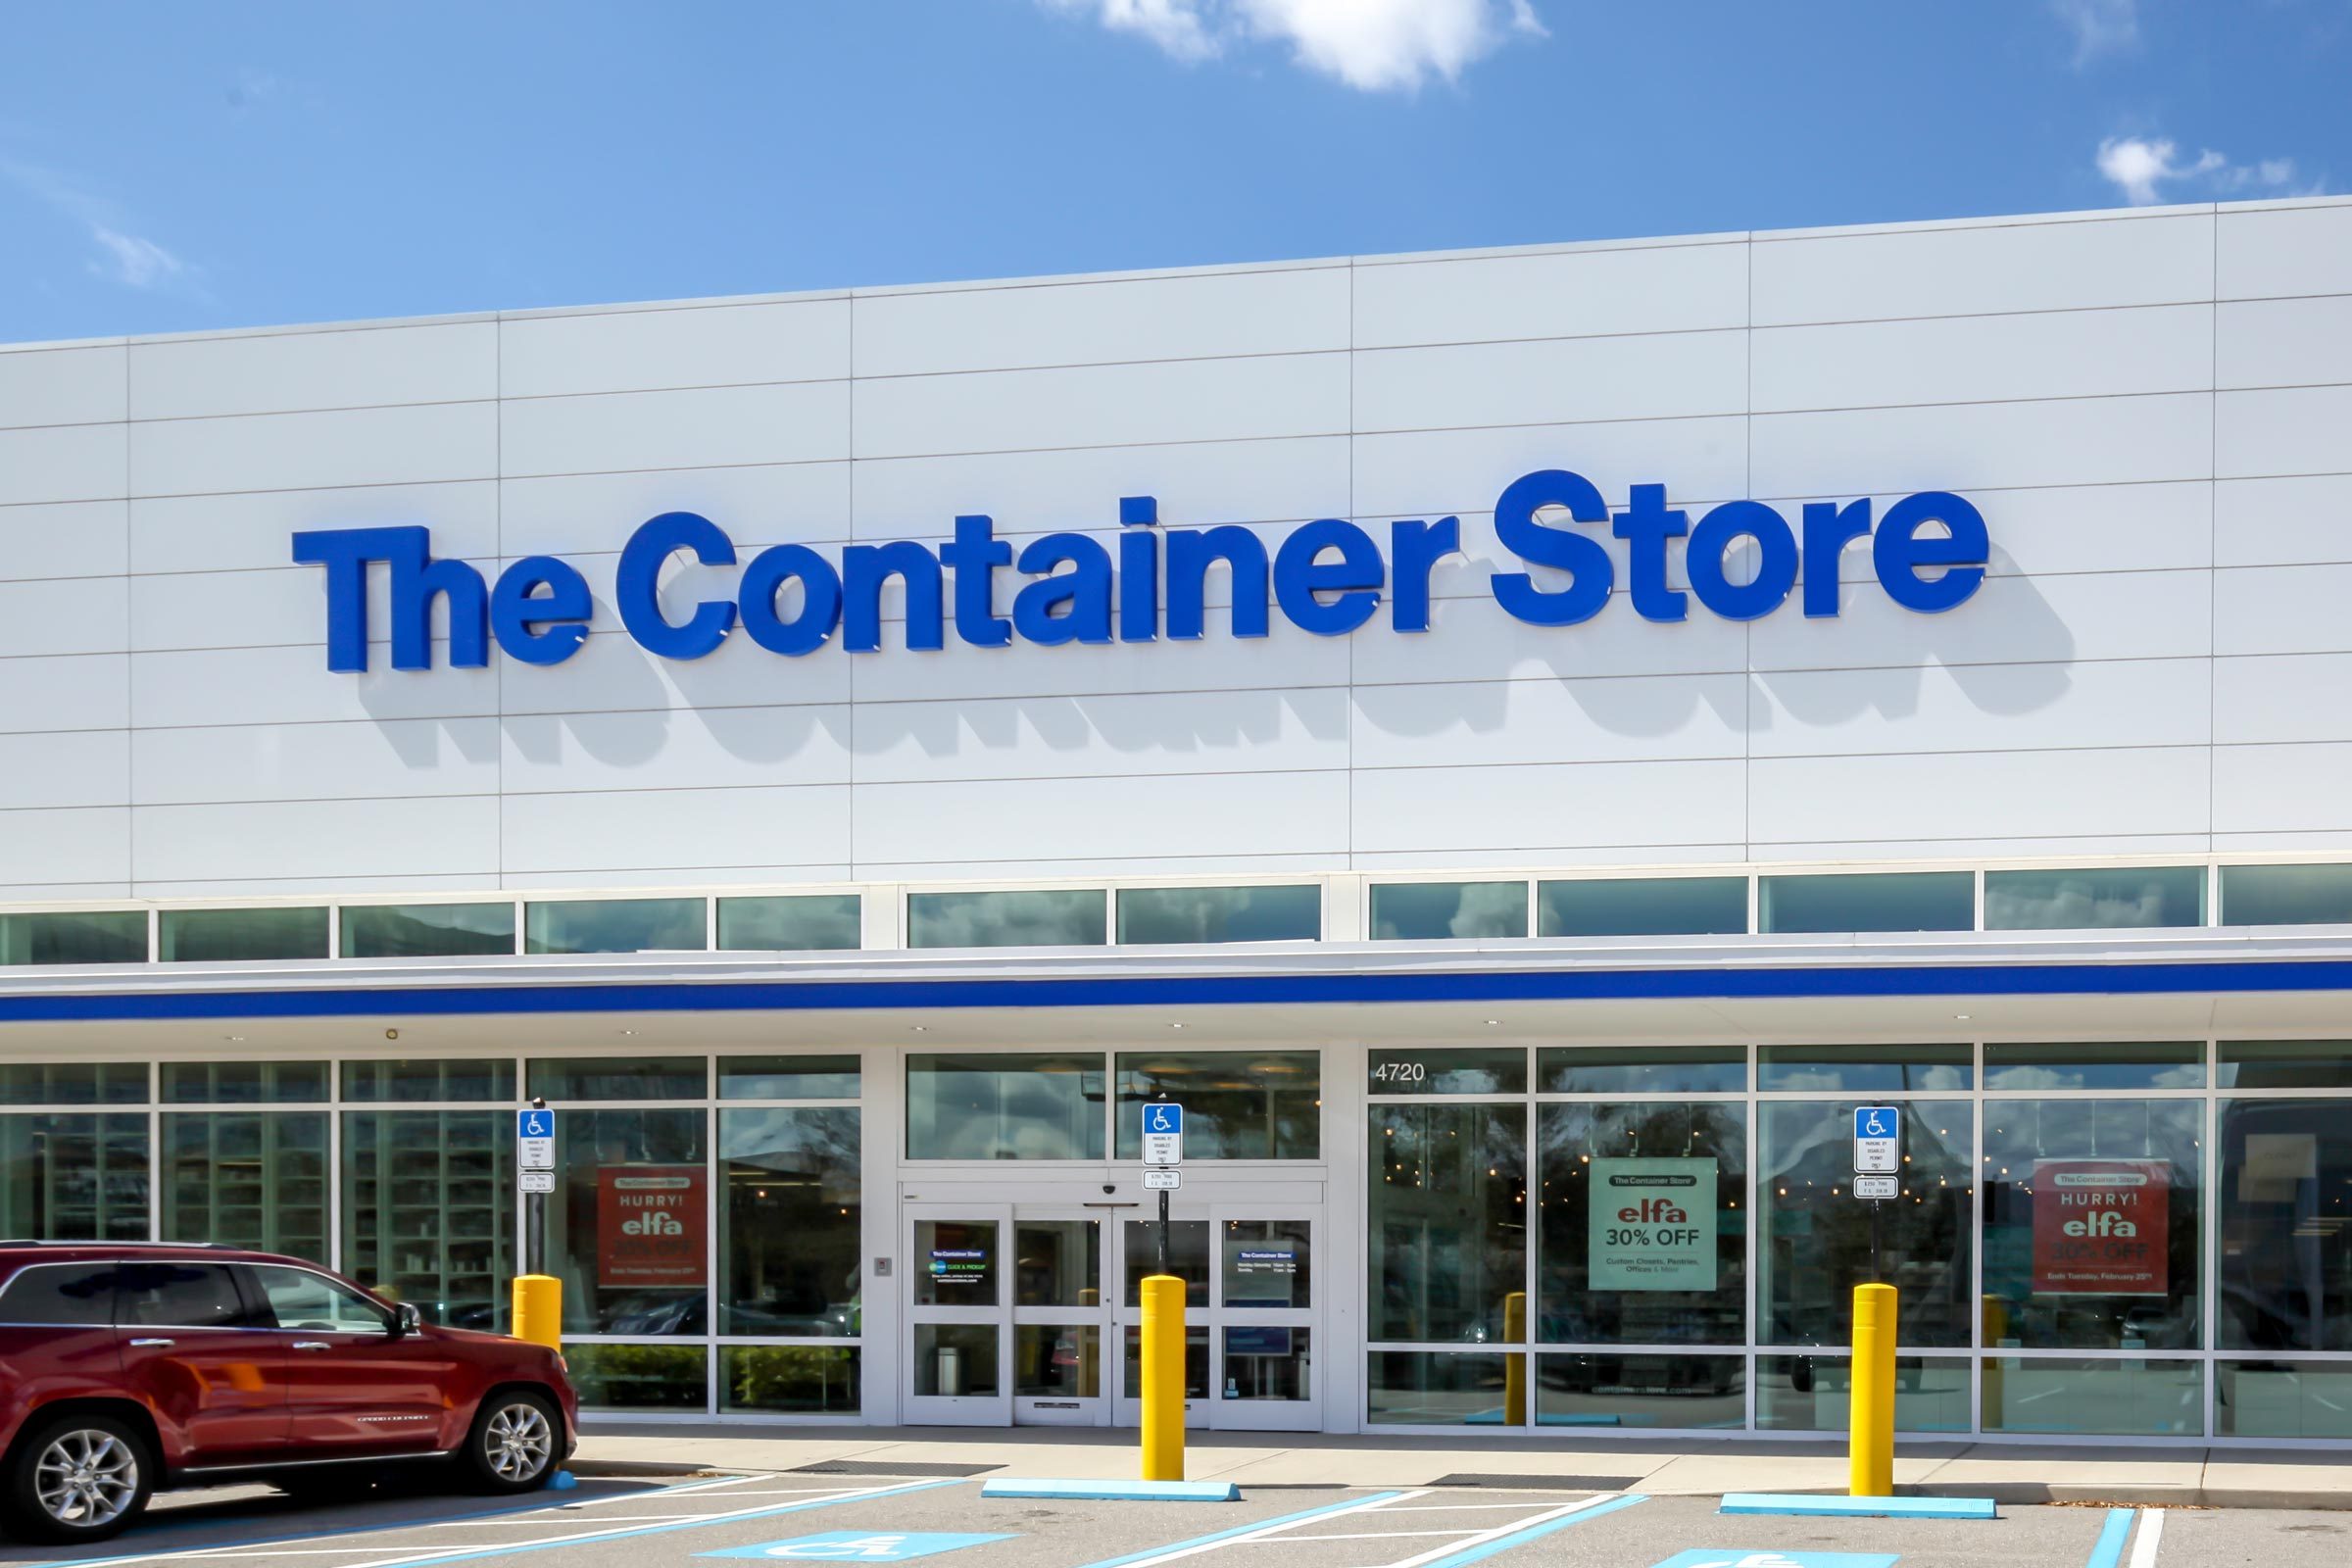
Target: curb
[613, 1468]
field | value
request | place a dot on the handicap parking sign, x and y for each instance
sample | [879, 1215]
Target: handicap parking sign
[1742, 1558]
[858, 1545]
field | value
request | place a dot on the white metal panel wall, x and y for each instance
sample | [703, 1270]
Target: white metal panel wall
[2149, 407]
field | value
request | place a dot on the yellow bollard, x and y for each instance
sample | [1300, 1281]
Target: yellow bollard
[1870, 1428]
[1514, 1367]
[1163, 1378]
[539, 1309]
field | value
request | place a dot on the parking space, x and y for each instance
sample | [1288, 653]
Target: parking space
[808, 1518]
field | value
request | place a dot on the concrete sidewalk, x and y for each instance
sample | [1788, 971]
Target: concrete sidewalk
[2223, 1477]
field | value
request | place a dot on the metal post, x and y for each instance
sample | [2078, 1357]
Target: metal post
[1163, 1231]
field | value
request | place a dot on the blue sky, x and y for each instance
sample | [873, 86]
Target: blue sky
[170, 167]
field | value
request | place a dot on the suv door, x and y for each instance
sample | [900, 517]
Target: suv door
[354, 1384]
[190, 1349]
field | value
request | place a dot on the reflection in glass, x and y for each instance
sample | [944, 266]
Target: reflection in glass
[1447, 1228]
[1443, 1070]
[2109, 1398]
[108, 936]
[1868, 901]
[1035, 1105]
[1815, 1393]
[956, 1262]
[1058, 1263]
[1269, 1363]
[243, 1083]
[255, 1179]
[427, 1080]
[1268, 1262]
[1262, 1105]
[73, 1178]
[1642, 1070]
[1188, 1258]
[2099, 897]
[73, 1083]
[1642, 907]
[789, 1379]
[567, 1080]
[2095, 1064]
[2091, 1223]
[617, 925]
[2286, 895]
[788, 1077]
[640, 1377]
[1866, 1069]
[1815, 1237]
[2284, 1399]
[1222, 914]
[956, 1360]
[2285, 1226]
[1440, 911]
[428, 1211]
[1053, 917]
[1641, 1391]
[1058, 1361]
[1643, 1239]
[790, 1262]
[809, 922]
[2286, 1064]
[628, 1224]
[1196, 1362]
[426, 930]
[1439, 1387]
[196, 936]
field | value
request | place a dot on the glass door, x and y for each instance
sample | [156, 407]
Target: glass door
[1249, 1314]
[1061, 1320]
[1188, 1260]
[960, 1290]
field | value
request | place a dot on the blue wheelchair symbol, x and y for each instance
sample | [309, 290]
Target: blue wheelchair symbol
[535, 1124]
[1877, 1121]
[1159, 1119]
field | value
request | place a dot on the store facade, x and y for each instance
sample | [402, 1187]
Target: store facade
[1519, 744]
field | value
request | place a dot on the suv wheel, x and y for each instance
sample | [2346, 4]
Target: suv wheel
[513, 1442]
[81, 1478]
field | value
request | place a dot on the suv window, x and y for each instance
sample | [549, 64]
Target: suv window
[180, 1295]
[60, 1294]
[300, 1300]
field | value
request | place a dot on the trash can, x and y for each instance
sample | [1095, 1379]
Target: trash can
[948, 1367]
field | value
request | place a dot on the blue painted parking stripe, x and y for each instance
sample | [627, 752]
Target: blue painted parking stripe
[2109, 1549]
[1243, 1530]
[1520, 1538]
[704, 1484]
[696, 1522]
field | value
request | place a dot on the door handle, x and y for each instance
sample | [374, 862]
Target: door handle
[153, 1343]
[312, 1344]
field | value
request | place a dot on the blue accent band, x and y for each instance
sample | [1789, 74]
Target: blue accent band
[1243, 1530]
[1831, 1506]
[1577, 985]
[1520, 1538]
[2109, 1551]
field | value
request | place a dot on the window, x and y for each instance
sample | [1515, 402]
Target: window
[1440, 911]
[1878, 901]
[788, 1077]
[617, 925]
[1439, 1070]
[2162, 1064]
[61, 1294]
[790, 1250]
[1222, 914]
[1816, 1393]
[258, 934]
[1447, 1228]
[2286, 1225]
[427, 1080]
[111, 936]
[1642, 907]
[2286, 895]
[180, 1295]
[247, 1178]
[1641, 1390]
[1866, 1069]
[2286, 1064]
[1458, 1388]
[1237, 1105]
[428, 1211]
[1642, 1070]
[639, 1377]
[1032, 920]
[788, 1379]
[244, 1083]
[300, 1300]
[816, 922]
[2100, 899]
[1035, 1105]
[426, 930]
[73, 1083]
[575, 1078]
[628, 1227]
[75, 1177]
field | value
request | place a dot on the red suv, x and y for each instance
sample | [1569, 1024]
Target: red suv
[123, 1368]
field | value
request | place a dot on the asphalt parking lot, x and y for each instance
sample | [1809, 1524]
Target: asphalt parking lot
[813, 1518]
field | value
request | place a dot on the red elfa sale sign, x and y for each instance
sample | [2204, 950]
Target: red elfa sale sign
[650, 1225]
[2099, 1226]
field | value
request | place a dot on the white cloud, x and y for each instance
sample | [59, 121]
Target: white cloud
[1374, 45]
[2100, 26]
[2151, 170]
[124, 258]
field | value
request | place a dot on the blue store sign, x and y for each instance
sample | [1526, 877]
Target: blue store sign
[859, 1546]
